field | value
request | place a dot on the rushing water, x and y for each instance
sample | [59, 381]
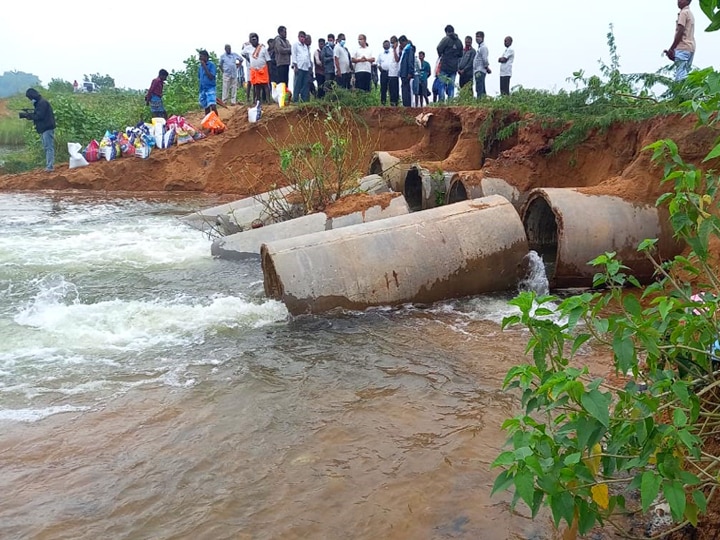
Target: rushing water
[150, 391]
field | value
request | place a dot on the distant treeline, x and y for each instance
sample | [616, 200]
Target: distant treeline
[15, 82]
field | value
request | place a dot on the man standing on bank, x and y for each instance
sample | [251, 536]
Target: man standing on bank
[206, 79]
[44, 119]
[229, 67]
[506, 64]
[481, 65]
[682, 49]
[283, 50]
[302, 66]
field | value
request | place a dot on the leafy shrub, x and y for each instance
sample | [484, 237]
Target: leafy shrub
[582, 446]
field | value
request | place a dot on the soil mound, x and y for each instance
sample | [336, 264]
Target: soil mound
[241, 162]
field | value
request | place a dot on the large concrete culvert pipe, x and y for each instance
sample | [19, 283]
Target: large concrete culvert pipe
[569, 228]
[423, 189]
[466, 185]
[391, 168]
[465, 249]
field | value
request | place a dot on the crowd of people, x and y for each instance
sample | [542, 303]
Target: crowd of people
[400, 70]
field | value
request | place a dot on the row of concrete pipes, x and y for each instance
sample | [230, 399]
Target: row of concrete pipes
[477, 242]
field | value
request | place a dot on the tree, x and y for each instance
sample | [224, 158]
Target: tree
[711, 8]
[580, 445]
[103, 81]
[15, 82]
[60, 85]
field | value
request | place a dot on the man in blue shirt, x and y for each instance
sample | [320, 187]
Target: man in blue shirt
[206, 75]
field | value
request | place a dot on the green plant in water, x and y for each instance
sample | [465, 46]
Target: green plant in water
[581, 446]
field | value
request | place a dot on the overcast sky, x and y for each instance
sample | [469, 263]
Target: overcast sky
[131, 41]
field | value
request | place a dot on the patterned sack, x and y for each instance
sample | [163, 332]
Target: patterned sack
[92, 151]
[183, 137]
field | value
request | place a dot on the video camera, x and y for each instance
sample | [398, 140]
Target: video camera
[26, 113]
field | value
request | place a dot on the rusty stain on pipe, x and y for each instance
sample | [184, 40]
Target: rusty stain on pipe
[446, 252]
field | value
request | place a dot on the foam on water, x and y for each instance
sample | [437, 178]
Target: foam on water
[134, 324]
[33, 415]
[97, 297]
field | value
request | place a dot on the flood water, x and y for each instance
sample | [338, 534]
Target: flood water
[148, 390]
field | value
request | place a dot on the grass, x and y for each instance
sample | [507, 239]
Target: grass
[12, 131]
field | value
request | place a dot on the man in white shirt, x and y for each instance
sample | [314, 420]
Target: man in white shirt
[229, 65]
[301, 64]
[343, 69]
[506, 63]
[481, 65]
[394, 72]
[258, 58]
[362, 60]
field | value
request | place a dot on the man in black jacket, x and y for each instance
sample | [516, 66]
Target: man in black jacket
[450, 50]
[44, 120]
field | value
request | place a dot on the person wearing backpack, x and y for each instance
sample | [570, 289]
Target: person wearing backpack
[450, 50]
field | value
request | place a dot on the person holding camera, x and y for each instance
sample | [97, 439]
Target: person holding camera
[44, 119]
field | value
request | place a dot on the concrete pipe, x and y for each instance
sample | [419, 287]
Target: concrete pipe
[423, 189]
[569, 228]
[246, 244]
[467, 185]
[207, 218]
[468, 248]
[390, 168]
[373, 184]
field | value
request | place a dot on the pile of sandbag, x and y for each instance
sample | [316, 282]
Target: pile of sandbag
[139, 140]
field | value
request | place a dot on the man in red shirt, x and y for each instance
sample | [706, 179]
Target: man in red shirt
[154, 95]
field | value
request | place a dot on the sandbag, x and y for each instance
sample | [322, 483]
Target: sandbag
[212, 123]
[92, 151]
[76, 158]
[158, 131]
[142, 151]
[254, 113]
[169, 138]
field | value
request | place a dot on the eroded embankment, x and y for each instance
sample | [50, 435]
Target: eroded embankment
[240, 161]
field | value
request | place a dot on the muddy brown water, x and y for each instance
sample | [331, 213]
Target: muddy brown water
[149, 391]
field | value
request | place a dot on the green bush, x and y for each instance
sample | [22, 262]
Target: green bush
[582, 446]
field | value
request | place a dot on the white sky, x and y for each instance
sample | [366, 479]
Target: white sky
[132, 41]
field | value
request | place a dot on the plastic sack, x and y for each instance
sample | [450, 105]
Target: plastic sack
[76, 158]
[142, 151]
[109, 149]
[254, 113]
[282, 95]
[92, 151]
[212, 123]
[183, 137]
[169, 138]
[158, 131]
[127, 148]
